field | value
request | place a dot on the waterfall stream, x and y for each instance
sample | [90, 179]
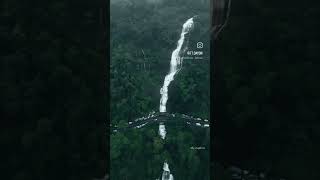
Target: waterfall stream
[166, 172]
[175, 66]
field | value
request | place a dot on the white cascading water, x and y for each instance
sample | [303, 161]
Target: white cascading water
[175, 65]
[162, 130]
[166, 172]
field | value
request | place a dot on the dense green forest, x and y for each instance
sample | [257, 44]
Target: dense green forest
[143, 36]
[53, 90]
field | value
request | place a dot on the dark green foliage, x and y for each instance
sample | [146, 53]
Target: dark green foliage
[52, 100]
[140, 154]
[143, 37]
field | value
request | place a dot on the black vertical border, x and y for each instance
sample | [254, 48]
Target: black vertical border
[105, 86]
[219, 10]
[220, 15]
[211, 94]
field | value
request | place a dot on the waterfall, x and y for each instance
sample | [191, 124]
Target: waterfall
[175, 64]
[162, 130]
[166, 172]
